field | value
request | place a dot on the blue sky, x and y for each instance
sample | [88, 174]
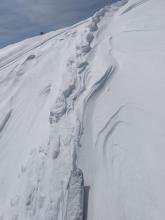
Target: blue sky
[20, 19]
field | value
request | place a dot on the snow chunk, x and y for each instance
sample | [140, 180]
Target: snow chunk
[82, 66]
[89, 37]
[75, 196]
[101, 12]
[96, 19]
[93, 27]
[58, 110]
[84, 49]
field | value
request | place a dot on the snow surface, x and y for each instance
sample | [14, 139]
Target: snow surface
[90, 96]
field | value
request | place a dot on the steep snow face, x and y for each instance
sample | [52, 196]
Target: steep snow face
[89, 97]
[123, 142]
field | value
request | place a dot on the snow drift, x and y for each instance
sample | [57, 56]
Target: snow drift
[82, 119]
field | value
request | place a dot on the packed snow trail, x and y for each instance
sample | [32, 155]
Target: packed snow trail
[82, 119]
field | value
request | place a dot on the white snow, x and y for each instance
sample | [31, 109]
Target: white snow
[87, 97]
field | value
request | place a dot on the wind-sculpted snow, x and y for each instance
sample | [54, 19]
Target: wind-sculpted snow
[82, 119]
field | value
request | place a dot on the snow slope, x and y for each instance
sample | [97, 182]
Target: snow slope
[89, 97]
